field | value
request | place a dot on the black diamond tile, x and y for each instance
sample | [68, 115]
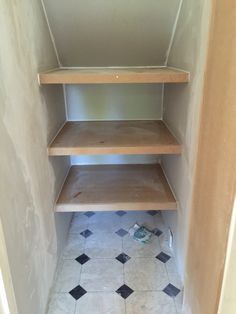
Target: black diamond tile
[171, 290]
[121, 213]
[123, 258]
[86, 233]
[89, 214]
[121, 232]
[124, 291]
[152, 212]
[157, 232]
[77, 292]
[82, 259]
[163, 257]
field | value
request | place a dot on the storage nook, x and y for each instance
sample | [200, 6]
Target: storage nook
[115, 187]
[108, 256]
[101, 129]
[117, 132]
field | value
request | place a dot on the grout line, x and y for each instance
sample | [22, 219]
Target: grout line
[112, 258]
[109, 291]
[175, 306]
[76, 303]
[123, 266]
[50, 33]
[169, 279]
[173, 32]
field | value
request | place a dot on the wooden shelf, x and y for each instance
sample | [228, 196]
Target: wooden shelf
[113, 75]
[114, 137]
[115, 187]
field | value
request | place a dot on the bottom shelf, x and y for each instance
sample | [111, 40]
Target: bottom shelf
[115, 187]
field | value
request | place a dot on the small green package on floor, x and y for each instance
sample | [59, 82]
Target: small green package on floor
[140, 234]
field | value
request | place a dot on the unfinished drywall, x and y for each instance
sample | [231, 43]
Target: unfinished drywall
[30, 116]
[181, 113]
[112, 33]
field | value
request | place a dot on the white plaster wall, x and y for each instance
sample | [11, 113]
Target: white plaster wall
[181, 112]
[30, 116]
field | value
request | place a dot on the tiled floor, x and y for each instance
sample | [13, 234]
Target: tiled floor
[104, 271]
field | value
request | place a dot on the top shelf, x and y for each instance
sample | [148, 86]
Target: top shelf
[113, 76]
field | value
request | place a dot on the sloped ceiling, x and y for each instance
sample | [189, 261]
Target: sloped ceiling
[111, 32]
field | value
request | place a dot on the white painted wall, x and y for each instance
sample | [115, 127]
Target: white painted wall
[30, 116]
[181, 113]
[114, 102]
[110, 33]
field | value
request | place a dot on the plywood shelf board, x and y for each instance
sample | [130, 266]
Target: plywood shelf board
[114, 137]
[113, 75]
[115, 187]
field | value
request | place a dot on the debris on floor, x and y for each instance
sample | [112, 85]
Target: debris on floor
[140, 233]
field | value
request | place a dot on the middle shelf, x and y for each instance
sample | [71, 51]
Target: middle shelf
[114, 137]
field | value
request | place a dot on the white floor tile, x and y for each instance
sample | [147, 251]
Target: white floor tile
[80, 219]
[172, 272]
[78, 225]
[61, 303]
[144, 274]
[159, 222]
[68, 276]
[137, 249]
[105, 222]
[74, 247]
[179, 302]
[149, 303]
[102, 275]
[100, 303]
[103, 245]
[139, 217]
[164, 242]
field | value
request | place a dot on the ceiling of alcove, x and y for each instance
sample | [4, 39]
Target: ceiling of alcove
[111, 32]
